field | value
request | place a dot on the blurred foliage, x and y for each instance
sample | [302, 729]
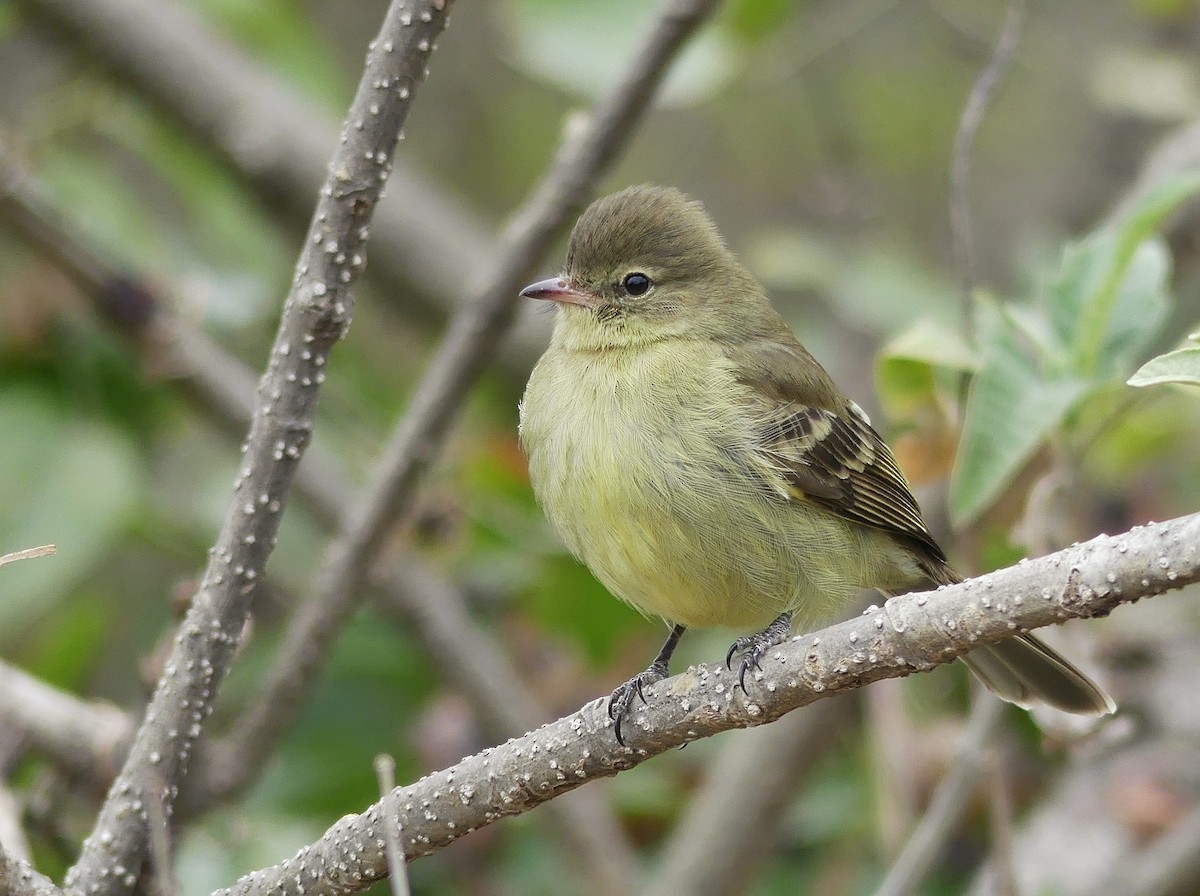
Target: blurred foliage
[81, 495]
[1035, 364]
[546, 43]
[819, 135]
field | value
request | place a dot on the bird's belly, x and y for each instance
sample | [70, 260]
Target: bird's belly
[683, 528]
[737, 571]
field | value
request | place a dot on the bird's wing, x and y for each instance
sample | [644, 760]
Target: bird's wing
[825, 447]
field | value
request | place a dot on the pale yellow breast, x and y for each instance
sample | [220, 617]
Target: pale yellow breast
[646, 466]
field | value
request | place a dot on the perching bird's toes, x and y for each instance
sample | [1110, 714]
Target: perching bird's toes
[622, 697]
[752, 648]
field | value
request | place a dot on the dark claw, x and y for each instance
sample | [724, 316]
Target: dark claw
[754, 647]
[746, 664]
[750, 661]
[617, 707]
[622, 698]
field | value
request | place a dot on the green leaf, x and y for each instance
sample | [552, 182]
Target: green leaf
[1012, 407]
[1106, 302]
[1137, 304]
[906, 371]
[1179, 366]
[1114, 257]
[72, 483]
[1081, 273]
[1139, 309]
[932, 342]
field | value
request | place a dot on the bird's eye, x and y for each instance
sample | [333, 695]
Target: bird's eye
[636, 284]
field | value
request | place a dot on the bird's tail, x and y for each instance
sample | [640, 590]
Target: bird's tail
[1025, 671]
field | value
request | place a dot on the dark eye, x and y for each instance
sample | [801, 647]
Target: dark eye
[636, 284]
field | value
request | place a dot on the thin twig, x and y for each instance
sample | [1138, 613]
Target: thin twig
[462, 356]
[315, 316]
[949, 804]
[961, 231]
[44, 550]
[912, 632]
[13, 842]
[385, 772]
[890, 739]
[12, 835]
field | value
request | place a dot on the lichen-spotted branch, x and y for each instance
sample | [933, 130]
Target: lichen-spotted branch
[315, 315]
[910, 633]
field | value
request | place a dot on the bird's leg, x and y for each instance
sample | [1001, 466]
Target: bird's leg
[622, 697]
[752, 647]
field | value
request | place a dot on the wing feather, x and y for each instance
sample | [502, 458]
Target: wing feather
[827, 450]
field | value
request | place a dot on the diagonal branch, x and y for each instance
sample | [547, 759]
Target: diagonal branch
[315, 316]
[87, 739]
[910, 633]
[463, 355]
[472, 340]
[962, 236]
[77, 735]
[950, 802]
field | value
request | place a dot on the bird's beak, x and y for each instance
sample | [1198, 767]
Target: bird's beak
[556, 289]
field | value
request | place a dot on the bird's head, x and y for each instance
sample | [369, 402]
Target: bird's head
[644, 265]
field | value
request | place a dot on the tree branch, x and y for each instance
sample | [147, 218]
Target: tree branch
[472, 340]
[961, 232]
[315, 316]
[910, 633]
[948, 805]
[434, 607]
[88, 739]
[462, 356]
[472, 658]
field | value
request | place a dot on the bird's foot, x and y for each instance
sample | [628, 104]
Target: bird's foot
[622, 697]
[752, 648]
[621, 700]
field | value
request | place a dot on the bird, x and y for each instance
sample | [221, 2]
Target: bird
[705, 467]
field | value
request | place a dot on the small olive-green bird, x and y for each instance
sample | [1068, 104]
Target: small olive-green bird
[707, 469]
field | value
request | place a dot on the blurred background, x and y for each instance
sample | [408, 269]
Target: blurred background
[820, 136]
